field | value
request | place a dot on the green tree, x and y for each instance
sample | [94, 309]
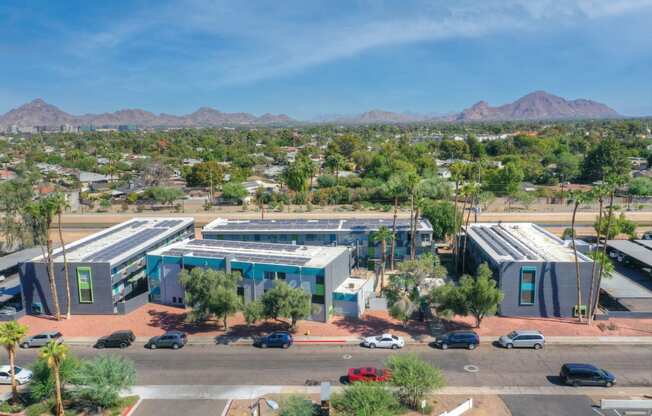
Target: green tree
[253, 312]
[234, 191]
[54, 354]
[15, 195]
[283, 301]
[607, 158]
[506, 181]
[10, 335]
[414, 378]
[478, 297]
[297, 174]
[366, 399]
[395, 188]
[211, 292]
[441, 215]
[209, 174]
[99, 382]
[43, 383]
[163, 194]
[296, 405]
[382, 236]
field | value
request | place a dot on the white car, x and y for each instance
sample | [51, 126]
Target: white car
[23, 375]
[384, 341]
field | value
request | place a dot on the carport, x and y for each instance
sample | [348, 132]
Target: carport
[631, 283]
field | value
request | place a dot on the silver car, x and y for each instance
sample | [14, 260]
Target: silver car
[384, 341]
[40, 340]
[523, 339]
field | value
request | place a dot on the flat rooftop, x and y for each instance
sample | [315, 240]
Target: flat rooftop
[223, 225]
[640, 250]
[253, 252]
[522, 242]
[121, 241]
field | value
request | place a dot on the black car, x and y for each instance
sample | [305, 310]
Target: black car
[171, 339]
[458, 339]
[586, 375]
[121, 339]
[276, 339]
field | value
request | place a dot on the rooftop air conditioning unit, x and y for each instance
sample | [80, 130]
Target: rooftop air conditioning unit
[351, 285]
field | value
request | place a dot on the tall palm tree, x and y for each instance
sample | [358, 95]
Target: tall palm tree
[10, 335]
[610, 209]
[599, 193]
[382, 236]
[395, 188]
[39, 215]
[413, 181]
[54, 354]
[61, 204]
[457, 174]
[470, 191]
[579, 198]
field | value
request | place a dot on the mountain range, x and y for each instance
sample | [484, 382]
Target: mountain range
[538, 105]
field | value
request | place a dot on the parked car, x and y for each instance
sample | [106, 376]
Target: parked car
[121, 339]
[171, 339]
[647, 235]
[42, 339]
[23, 375]
[458, 339]
[8, 310]
[384, 341]
[276, 339]
[368, 374]
[586, 375]
[522, 339]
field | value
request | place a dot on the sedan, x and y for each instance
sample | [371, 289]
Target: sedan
[368, 374]
[23, 375]
[384, 341]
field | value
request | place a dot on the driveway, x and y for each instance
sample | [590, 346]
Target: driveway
[180, 407]
[530, 405]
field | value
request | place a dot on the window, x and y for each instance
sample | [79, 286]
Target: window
[85, 284]
[270, 275]
[319, 299]
[280, 275]
[527, 284]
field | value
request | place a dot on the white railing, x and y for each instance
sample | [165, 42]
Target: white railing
[459, 410]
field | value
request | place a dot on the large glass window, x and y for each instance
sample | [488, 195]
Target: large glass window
[527, 285]
[85, 284]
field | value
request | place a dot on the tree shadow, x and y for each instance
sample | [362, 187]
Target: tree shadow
[169, 321]
[373, 325]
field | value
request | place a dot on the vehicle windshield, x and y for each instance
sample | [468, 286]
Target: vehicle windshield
[512, 335]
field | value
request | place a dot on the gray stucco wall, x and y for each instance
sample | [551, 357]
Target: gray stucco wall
[336, 272]
[36, 288]
[555, 288]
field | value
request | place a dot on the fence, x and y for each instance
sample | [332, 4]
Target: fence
[459, 410]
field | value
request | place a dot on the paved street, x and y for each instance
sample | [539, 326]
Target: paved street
[223, 365]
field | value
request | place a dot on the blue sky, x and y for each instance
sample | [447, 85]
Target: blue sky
[308, 58]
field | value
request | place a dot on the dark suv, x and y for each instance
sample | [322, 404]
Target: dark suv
[171, 339]
[121, 339]
[276, 339]
[586, 375]
[458, 339]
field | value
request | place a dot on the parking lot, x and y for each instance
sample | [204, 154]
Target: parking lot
[180, 407]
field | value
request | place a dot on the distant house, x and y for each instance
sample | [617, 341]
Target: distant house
[273, 171]
[252, 186]
[6, 175]
[92, 180]
[191, 162]
[638, 163]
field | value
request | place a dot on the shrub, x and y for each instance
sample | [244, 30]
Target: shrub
[296, 405]
[42, 385]
[365, 399]
[100, 380]
[253, 312]
[414, 378]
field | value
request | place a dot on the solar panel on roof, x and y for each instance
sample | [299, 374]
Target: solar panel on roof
[122, 246]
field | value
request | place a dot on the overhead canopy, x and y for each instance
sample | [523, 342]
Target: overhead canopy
[634, 249]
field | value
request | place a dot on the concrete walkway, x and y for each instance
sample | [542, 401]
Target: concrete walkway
[215, 392]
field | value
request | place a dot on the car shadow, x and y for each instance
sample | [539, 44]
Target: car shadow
[556, 380]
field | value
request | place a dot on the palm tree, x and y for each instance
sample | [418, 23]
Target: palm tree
[413, 181]
[382, 235]
[259, 198]
[612, 191]
[599, 193]
[62, 204]
[470, 191]
[457, 174]
[395, 188]
[10, 335]
[54, 354]
[39, 215]
[579, 197]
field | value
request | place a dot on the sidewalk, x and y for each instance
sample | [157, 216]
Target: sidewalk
[246, 392]
[154, 319]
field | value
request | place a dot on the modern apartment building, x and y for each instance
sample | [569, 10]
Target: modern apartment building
[353, 233]
[106, 270]
[534, 268]
[318, 270]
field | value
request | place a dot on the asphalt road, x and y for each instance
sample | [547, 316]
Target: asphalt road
[229, 365]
